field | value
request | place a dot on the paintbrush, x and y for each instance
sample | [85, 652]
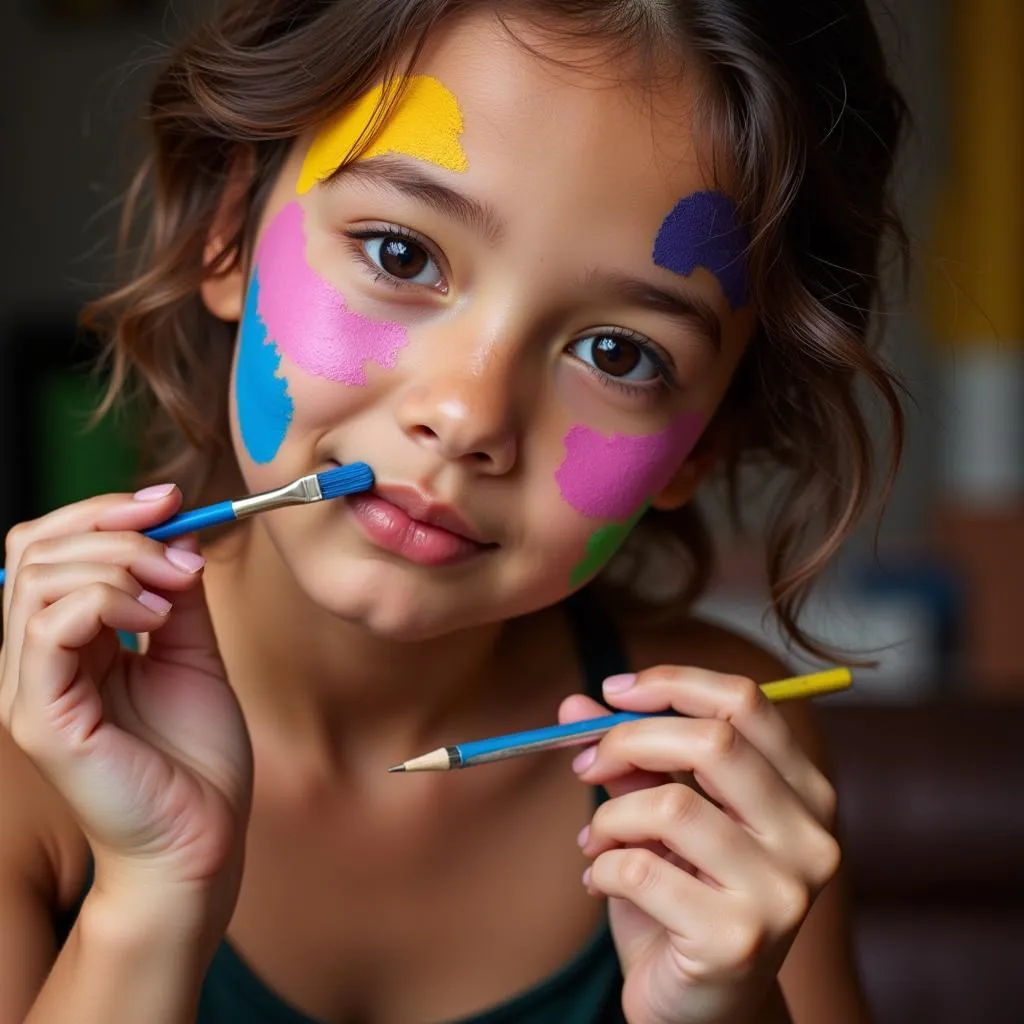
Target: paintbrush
[516, 744]
[331, 483]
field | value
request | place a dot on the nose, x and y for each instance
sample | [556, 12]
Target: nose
[465, 412]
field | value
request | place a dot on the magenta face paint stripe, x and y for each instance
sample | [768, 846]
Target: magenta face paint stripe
[611, 477]
[703, 231]
[307, 317]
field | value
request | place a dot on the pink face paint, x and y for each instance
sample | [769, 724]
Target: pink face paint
[611, 477]
[307, 317]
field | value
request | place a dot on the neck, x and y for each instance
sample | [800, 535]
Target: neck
[337, 693]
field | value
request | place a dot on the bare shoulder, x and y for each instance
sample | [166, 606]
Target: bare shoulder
[43, 864]
[695, 642]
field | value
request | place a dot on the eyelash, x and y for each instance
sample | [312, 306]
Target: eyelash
[665, 380]
[394, 231]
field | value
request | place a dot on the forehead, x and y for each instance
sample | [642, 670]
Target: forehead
[537, 105]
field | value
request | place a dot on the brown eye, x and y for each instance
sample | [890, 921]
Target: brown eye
[617, 356]
[403, 259]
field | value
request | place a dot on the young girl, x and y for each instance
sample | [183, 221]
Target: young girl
[544, 265]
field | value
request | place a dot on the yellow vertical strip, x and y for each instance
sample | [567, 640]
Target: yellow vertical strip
[977, 280]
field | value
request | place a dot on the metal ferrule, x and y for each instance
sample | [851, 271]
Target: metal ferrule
[303, 491]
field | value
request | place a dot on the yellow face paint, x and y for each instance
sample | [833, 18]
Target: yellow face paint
[426, 125]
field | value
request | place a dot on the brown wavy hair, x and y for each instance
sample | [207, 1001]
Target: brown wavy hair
[802, 108]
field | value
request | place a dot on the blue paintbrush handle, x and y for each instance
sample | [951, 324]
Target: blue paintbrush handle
[195, 519]
[184, 522]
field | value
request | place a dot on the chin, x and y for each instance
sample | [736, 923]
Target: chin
[390, 603]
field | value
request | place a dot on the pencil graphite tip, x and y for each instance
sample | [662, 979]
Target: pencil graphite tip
[397, 768]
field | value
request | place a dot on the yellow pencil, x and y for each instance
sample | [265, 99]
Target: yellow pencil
[498, 748]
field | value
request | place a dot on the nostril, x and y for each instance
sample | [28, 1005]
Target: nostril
[481, 456]
[425, 433]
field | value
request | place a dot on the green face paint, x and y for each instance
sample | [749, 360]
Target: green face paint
[602, 545]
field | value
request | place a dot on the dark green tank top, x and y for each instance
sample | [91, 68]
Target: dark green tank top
[586, 990]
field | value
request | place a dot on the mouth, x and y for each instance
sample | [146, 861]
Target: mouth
[411, 524]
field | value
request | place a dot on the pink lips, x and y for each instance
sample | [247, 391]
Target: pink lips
[407, 523]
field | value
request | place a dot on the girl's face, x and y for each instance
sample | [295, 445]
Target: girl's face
[520, 305]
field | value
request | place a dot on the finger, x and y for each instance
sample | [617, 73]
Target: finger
[713, 932]
[52, 568]
[739, 701]
[52, 695]
[578, 708]
[677, 900]
[137, 511]
[690, 827]
[728, 768]
[186, 638]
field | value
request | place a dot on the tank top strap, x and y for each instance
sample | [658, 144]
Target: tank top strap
[597, 638]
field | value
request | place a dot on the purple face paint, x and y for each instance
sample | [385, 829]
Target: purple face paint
[611, 477]
[306, 316]
[703, 231]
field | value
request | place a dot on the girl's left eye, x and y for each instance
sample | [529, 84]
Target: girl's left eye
[403, 259]
[619, 357]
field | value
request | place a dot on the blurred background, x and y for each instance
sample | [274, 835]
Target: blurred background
[928, 746]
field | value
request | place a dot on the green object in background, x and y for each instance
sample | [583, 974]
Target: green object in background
[75, 458]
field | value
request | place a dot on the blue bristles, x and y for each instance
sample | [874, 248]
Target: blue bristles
[342, 480]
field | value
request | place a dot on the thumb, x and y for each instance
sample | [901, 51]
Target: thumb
[187, 637]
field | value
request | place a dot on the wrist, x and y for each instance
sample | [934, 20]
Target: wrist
[133, 910]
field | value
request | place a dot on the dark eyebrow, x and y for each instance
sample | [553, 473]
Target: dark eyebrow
[407, 179]
[690, 309]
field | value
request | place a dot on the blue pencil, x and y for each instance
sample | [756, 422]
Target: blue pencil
[498, 748]
[331, 483]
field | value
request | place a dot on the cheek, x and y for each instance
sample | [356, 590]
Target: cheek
[612, 477]
[294, 313]
[264, 406]
[308, 318]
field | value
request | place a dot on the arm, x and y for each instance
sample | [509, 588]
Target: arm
[819, 976]
[111, 969]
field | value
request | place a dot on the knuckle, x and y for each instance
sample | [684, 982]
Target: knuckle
[34, 552]
[826, 800]
[31, 577]
[638, 870]
[718, 739]
[18, 538]
[744, 695]
[660, 674]
[826, 857]
[793, 900]
[675, 804]
[744, 942]
[38, 629]
[97, 595]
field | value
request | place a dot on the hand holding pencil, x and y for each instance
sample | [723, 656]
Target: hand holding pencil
[707, 886]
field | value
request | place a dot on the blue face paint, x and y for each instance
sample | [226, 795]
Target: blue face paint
[264, 405]
[703, 231]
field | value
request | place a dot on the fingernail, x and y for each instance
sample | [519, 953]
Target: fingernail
[581, 839]
[154, 602]
[187, 561]
[154, 493]
[586, 877]
[619, 684]
[582, 761]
